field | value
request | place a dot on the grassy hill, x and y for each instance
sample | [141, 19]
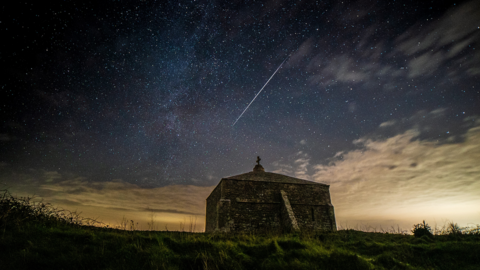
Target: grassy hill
[38, 236]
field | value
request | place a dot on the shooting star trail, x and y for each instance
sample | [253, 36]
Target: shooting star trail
[260, 91]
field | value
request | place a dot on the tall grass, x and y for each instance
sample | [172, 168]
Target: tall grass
[19, 211]
[40, 236]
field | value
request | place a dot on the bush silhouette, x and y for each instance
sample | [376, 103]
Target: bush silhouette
[422, 229]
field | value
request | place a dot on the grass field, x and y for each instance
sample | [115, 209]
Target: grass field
[38, 236]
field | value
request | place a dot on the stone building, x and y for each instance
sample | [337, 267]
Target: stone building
[260, 200]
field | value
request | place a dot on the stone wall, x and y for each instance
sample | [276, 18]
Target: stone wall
[314, 217]
[256, 191]
[251, 216]
[223, 215]
[211, 208]
[254, 205]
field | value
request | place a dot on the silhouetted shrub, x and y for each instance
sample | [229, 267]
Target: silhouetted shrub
[422, 229]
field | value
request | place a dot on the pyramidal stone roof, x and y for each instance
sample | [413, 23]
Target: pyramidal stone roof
[263, 176]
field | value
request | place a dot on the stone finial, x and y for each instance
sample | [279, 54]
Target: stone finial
[258, 167]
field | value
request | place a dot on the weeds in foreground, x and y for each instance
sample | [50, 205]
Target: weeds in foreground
[37, 238]
[375, 229]
[452, 228]
[18, 211]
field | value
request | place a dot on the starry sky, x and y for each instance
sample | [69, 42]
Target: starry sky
[126, 108]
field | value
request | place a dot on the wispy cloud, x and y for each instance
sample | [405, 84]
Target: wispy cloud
[388, 123]
[406, 179]
[110, 201]
[424, 48]
[302, 163]
[402, 178]
[433, 44]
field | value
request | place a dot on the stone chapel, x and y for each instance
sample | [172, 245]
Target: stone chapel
[262, 201]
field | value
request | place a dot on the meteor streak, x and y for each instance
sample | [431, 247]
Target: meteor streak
[260, 91]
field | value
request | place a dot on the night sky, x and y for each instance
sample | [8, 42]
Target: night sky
[126, 108]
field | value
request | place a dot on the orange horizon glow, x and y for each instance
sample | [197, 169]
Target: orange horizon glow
[395, 182]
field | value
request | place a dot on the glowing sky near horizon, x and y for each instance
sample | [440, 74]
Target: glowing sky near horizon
[126, 109]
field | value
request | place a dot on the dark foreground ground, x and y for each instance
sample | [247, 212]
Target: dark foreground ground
[32, 238]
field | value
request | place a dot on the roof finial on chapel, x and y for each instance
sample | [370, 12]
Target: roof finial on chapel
[258, 167]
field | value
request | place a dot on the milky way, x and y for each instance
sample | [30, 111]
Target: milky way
[145, 92]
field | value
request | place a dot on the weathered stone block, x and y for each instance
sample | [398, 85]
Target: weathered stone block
[288, 217]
